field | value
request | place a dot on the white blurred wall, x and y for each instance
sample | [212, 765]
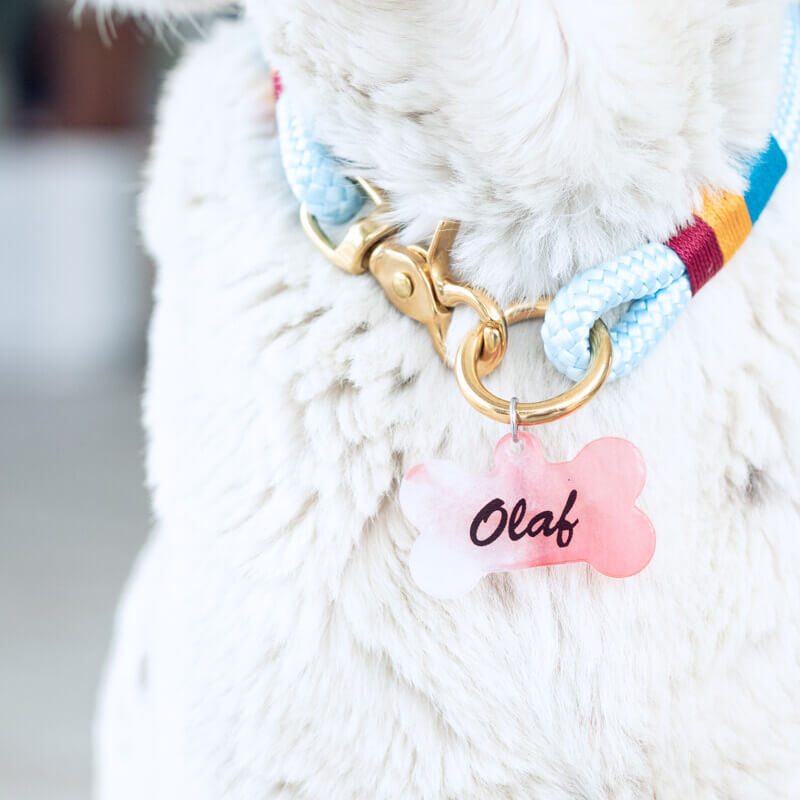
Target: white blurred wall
[73, 284]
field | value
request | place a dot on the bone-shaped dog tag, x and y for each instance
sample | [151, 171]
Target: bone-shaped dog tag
[527, 512]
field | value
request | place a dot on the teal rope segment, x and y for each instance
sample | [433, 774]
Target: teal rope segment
[765, 174]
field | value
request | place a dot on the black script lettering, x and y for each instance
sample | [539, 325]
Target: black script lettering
[539, 523]
[564, 525]
[483, 516]
[517, 513]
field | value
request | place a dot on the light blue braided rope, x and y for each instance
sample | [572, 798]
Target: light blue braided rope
[787, 124]
[652, 276]
[316, 178]
[652, 279]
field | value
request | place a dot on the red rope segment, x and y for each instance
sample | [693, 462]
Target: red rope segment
[698, 248]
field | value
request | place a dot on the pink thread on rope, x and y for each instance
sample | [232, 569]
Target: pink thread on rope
[277, 86]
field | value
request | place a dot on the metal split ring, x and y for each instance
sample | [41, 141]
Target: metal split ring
[468, 371]
[512, 412]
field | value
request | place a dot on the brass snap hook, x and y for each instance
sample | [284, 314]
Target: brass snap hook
[403, 275]
[418, 283]
[481, 399]
[352, 253]
[452, 294]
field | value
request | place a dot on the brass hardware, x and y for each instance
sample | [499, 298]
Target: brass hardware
[418, 283]
[402, 285]
[389, 259]
[481, 399]
[451, 294]
[352, 253]
[429, 294]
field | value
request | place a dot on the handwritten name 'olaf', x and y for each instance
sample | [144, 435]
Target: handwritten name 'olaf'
[539, 523]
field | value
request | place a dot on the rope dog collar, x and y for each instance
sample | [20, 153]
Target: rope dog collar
[656, 280]
[659, 280]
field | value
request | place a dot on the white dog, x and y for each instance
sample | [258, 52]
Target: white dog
[271, 643]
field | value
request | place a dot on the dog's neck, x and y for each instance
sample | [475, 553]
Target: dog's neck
[557, 144]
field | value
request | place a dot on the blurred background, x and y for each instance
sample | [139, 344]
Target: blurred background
[76, 104]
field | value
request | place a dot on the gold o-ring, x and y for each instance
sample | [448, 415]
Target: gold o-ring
[468, 361]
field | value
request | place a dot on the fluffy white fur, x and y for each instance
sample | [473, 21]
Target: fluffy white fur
[271, 643]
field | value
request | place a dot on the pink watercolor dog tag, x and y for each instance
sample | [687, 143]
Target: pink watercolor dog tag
[527, 512]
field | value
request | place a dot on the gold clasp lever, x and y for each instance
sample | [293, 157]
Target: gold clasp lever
[404, 275]
[416, 281]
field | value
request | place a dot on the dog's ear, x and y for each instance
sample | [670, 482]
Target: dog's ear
[155, 8]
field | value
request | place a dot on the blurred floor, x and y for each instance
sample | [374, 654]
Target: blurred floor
[73, 514]
[75, 103]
